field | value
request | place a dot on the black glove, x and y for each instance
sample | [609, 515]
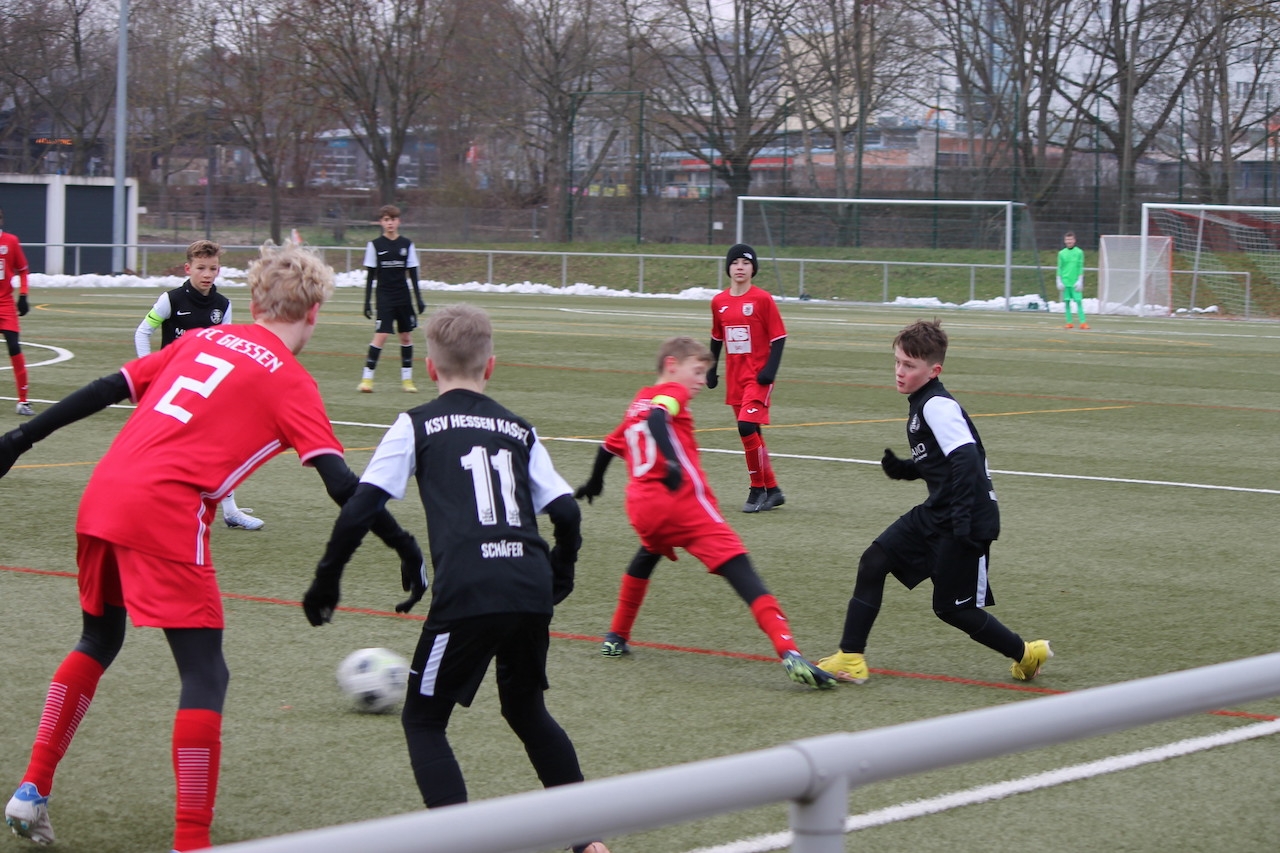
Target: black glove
[897, 469]
[764, 377]
[368, 312]
[13, 444]
[713, 379]
[322, 597]
[589, 490]
[413, 573]
[561, 576]
[674, 477]
[23, 307]
[422, 307]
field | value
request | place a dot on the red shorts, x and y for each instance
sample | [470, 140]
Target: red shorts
[8, 316]
[157, 592]
[752, 404]
[691, 521]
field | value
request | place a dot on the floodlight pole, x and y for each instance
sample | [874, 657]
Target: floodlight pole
[118, 205]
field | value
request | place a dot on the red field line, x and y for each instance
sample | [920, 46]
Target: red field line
[665, 647]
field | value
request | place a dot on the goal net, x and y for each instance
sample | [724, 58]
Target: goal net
[1135, 275]
[971, 253]
[1226, 257]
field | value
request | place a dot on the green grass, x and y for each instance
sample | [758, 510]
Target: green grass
[1128, 579]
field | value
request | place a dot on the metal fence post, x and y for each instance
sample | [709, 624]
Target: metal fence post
[818, 823]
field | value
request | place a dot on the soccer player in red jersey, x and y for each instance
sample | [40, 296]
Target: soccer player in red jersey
[13, 263]
[670, 504]
[746, 325]
[211, 408]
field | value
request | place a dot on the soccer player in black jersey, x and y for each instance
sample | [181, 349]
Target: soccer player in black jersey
[483, 477]
[392, 263]
[946, 539]
[196, 304]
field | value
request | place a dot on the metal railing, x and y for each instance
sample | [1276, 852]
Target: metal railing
[816, 774]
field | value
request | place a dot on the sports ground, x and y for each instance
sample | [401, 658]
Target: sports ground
[1139, 481]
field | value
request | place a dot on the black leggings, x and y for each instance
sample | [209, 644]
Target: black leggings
[197, 652]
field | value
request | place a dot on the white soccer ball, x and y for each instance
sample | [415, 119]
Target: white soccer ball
[373, 679]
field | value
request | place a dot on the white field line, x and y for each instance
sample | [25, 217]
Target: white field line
[1001, 790]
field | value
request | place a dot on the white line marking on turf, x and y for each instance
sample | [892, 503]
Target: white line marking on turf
[1001, 790]
[59, 354]
[876, 462]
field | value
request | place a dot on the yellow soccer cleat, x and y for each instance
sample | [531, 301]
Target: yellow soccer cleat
[1033, 658]
[846, 666]
[409, 387]
[365, 386]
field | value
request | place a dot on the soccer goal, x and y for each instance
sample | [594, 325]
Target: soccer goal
[883, 250]
[1226, 257]
[1135, 275]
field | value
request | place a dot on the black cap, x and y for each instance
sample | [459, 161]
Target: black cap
[741, 250]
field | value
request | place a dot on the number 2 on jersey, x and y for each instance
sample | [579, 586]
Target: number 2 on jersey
[478, 462]
[221, 367]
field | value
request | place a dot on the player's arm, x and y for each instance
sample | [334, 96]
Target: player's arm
[154, 319]
[713, 379]
[370, 264]
[566, 527]
[342, 484]
[353, 523]
[770, 370]
[413, 277]
[964, 462]
[77, 405]
[664, 408]
[595, 483]
[24, 283]
[898, 469]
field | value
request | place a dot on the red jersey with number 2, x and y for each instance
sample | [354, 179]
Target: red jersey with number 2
[748, 325]
[212, 408]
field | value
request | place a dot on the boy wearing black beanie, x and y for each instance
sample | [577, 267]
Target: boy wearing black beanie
[747, 328]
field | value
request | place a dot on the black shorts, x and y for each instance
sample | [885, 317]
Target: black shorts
[401, 318]
[918, 549]
[452, 658]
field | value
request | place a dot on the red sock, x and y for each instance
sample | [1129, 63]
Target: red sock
[19, 363]
[70, 693]
[773, 622]
[766, 466]
[630, 597]
[197, 752]
[757, 458]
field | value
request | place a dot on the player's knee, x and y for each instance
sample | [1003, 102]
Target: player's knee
[745, 428]
[643, 564]
[874, 564]
[11, 343]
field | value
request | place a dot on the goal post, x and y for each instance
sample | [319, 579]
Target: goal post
[1135, 275]
[1226, 256]
[874, 248]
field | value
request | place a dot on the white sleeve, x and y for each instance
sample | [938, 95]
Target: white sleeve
[370, 256]
[545, 482]
[946, 419]
[412, 262]
[226, 318]
[158, 314]
[394, 460]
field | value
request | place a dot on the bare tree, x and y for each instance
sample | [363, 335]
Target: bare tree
[1230, 103]
[1139, 58]
[556, 57]
[60, 56]
[266, 100]
[846, 61]
[722, 94]
[373, 62]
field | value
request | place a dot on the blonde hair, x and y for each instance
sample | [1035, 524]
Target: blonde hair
[683, 347]
[203, 249]
[286, 281]
[460, 341]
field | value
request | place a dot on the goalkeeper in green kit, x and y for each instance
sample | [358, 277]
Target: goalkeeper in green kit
[1071, 278]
